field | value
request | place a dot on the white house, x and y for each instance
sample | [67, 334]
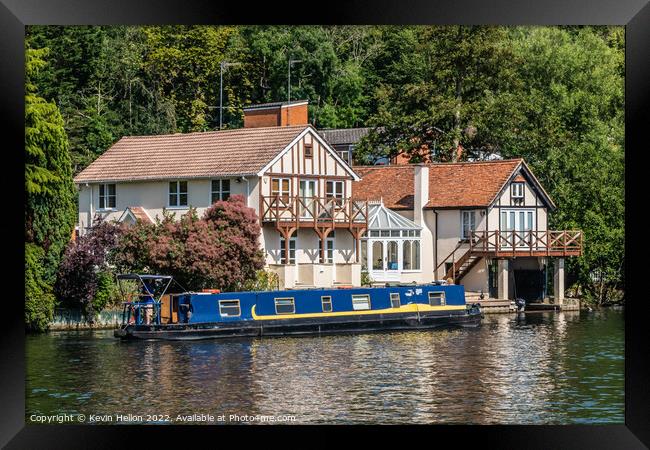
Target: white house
[481, 224]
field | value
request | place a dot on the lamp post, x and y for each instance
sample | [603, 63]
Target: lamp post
[291, 61]
[224, 64]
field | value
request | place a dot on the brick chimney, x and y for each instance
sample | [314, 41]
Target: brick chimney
[421, 194]
[279, 114]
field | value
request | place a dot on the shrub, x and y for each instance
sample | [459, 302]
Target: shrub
[39, 300]
[85, 272]
[220, 250]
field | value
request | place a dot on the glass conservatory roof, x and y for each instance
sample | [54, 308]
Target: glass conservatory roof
[382, 218]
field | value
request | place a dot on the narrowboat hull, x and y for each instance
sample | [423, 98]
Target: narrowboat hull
[349, 324]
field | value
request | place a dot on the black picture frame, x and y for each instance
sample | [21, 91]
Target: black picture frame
[15, 14]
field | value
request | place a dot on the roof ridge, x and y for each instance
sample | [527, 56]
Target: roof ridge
[229, 130]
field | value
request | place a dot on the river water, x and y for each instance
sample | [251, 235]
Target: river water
[533, 368]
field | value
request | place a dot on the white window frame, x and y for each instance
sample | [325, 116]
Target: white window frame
[230, 300]
[178, 194]
[281, 192]
[517, 189]
[219, 192]
[443, 297]
[106, 196]
[392, 298]
[472, 223]
[328, 301]
[329, 252]
[338, 197]
[293, 240]
[293, 303]
[361, 302]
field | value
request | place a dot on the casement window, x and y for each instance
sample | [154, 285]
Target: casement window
[326, 301]
[309, 150]
[280, 188]
[285, 305]
[394, 300]
[107, 197]
[220, 190]
[346, 156]
[334, 190]
[468, 220]
[411, 255]
[517, 190]
[437, 298]
[178, 193]
[329, 248]
[360, 302]
[229, 308]
[292, 251]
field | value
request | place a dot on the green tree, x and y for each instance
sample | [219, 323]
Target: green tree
[50, 205]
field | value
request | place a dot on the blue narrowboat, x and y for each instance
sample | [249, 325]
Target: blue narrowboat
[200, 315]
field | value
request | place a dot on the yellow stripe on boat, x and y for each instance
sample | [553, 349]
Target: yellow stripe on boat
[411, 307]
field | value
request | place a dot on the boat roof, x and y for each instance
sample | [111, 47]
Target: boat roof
[135, 276]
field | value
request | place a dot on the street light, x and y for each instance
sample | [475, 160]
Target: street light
[291, 61]
[223, 64]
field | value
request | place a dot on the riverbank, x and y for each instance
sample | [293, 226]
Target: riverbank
[75, 320]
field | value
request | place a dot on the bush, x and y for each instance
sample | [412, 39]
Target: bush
[365, 278]
[85, 278]
[264, 281]
[39, 300]
[220, 250]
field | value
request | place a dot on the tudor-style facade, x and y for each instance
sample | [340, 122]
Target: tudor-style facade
[298, 185]
[483, 225]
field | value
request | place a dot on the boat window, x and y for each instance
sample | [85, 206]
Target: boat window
[394, 300]
[285, 306]
[360, 302]
[229, 308]
[437, 298]
[327, 303]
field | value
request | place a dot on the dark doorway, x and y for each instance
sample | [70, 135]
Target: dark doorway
[529, 284]
[493, 271]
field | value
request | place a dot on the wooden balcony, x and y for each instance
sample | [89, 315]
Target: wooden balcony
[314, 212]
[526, 243]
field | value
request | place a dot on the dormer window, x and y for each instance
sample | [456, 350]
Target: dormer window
[107, 197]
[517, 190]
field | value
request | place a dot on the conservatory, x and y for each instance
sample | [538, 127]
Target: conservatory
[391, 245]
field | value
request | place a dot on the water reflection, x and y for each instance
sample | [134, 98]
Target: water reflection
[529, 368]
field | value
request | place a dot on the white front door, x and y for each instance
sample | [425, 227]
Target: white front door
[515, 227]
[384, 260]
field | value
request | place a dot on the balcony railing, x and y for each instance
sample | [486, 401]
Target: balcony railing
[314, 210]
[537, 243]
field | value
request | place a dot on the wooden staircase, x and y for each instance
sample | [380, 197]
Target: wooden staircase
[462, 267]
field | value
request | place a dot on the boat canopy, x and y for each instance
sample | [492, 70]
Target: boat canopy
[135, 276]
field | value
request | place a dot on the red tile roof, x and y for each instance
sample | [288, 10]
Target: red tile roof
[140, 214]
[243, 151]
[471, 184]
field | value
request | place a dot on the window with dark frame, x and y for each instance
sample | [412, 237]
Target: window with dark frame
[107, 197]
[178, 193]
[309, 150]
[220, 190]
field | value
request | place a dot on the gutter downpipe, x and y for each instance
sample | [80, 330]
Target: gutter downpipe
[248, 191]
